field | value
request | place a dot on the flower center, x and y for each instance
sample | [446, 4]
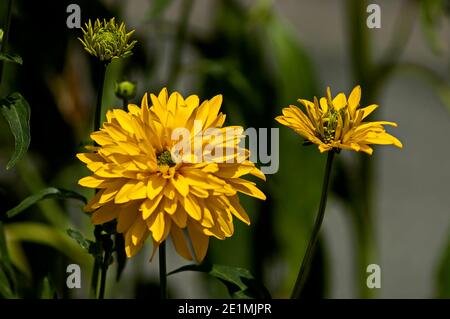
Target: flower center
[330, 123]
[165, 158]
[107, 39]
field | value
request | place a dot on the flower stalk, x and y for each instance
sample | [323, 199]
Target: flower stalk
[307, 259]
[98, 268]
[162, 270]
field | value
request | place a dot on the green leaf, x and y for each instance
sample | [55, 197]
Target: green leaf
[47, 289]
[6, 269]
[239, 281]
[51, 236]
[11, 57]
[46, 193]
[16, 111]
[80, 239]
[443, 274]
[5, 289]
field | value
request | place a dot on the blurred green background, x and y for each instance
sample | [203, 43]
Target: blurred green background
[390, 209]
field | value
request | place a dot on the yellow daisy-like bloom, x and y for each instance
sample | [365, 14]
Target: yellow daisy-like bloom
[148, 192]
[338, 123]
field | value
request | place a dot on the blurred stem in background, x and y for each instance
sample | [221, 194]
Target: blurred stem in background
[361, 200]
[180, 39]
[5, 36]
[307, 259]
[371, 77]
[162, 270]
[3, 248]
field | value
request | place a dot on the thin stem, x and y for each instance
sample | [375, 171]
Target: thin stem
[125, 104]
[97, 124]
[98, 107]
[94, 278]
[180, 37]
[5, 35]
[162, 270]
[306, 263]
[104, 272]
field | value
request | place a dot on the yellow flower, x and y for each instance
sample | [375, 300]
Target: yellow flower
[149, 191]
[106, 40]
[338, 123]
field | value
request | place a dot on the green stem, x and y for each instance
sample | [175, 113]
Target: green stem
[306, 263]
[162, 270]
[125, 104]
[5, 35]
[98, 107]
[94, 277]
[97, 124]
[104, 271]
[180, 37]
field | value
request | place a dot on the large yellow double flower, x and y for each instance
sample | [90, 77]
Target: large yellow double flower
[149, 193]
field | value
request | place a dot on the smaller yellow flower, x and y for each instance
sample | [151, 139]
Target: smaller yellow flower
[106, 40]
[338, 123]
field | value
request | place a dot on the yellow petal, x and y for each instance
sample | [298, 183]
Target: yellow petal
[237, 210]
[180, 184]
[191, 206]
[340, 101]
[137, 231]
[368, 109]
[105, 214]
[149, 206]
[199, 242]
[353, 100]
[159, 226]
[127, 216]
[179, 243]
[122, 196]
[179, 217]
[248, 188]
[124, 120]
[155, 185]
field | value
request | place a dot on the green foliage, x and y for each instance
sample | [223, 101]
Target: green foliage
[11, 57]
[239, 281]
[46, 193]
[47, 289]
[79, 238]
[443, 274]
[432, 11]
[16, 111]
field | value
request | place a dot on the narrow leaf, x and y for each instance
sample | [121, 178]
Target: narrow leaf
[5, 289]
[11, 57]
[239, 281]
[46, 193]
[16, 111]
[83, 242]
[47, 289]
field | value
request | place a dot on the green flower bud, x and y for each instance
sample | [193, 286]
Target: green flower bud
[106, 40]
[125, 90]
[1, 35]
